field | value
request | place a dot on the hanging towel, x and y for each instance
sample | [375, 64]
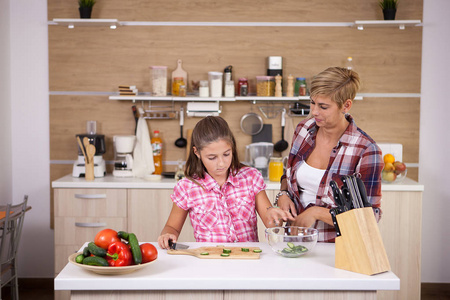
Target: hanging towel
[143, 152]
[289, 130]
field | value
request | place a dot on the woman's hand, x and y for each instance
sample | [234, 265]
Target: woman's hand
[311, 215]
[163, 240]
[277, 216]
[286, 204]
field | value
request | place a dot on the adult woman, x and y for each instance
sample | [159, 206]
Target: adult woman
[325, 146]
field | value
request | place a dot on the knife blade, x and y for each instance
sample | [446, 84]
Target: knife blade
[348, 183]
[176, 246]
[363, 192]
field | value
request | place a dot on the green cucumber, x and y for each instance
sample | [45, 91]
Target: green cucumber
[135, 249]
[96, 250]
[86, 252]
[257, 250]
[204, 253]
[245, 249]
[95, 261]
[79, 259]
[226, 251]
[290, 245]
[225, 254]
[123, 235]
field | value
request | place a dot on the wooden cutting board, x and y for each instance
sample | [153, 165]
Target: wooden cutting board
[215, 252]
[179, 72]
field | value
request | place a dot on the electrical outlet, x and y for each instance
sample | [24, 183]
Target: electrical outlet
[394, 149]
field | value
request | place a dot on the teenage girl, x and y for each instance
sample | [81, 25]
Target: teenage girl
[219, 193]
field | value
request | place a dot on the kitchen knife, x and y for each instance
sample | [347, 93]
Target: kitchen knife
[363, 192]
[333, 213]
[347, 198]
[357, 192]
[338, 197]
[348, 183]
[177, 246]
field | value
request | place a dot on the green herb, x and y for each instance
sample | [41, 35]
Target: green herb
[86, 3]
[388, 4]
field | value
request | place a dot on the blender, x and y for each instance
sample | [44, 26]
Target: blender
[98, 140]
[258, 156]
[123, 155]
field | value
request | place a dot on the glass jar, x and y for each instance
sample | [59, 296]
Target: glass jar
[275, 169]
[265, 86]
[203, 90]
[182, 92]
[229, 88]
[177, 82]
[158, 80]
[242, 87]
[215, 84]
[300, 86]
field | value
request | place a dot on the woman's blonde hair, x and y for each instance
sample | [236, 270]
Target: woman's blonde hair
[206, 131]
[338, 83]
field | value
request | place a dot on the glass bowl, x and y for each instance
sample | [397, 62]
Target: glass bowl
[292, 241]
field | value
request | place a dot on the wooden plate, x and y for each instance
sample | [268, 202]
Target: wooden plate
[107, 270]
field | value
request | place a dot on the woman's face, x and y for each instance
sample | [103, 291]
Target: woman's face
[326, 112]
[216, 157]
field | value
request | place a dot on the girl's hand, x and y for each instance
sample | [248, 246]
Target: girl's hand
[277, 216]
[163, 240]
[286, 204]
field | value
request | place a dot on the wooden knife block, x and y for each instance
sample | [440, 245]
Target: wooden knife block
[360, 248]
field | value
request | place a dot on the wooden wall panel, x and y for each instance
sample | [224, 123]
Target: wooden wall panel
[98, 59]
[236, 10]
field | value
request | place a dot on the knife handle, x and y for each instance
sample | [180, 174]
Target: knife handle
[333, 213]
[335, 190]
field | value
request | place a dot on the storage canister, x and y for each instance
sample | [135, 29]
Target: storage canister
[243, 86]
[265, 86]
[203, 90]
[215, 84]
[229, 88]
[158, 80]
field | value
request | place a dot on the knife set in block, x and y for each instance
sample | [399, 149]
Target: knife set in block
[360, 248]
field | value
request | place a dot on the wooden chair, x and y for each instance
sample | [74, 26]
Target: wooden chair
[10, 232]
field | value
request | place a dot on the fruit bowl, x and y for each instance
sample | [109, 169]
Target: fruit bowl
[292, 241]
[393, 172]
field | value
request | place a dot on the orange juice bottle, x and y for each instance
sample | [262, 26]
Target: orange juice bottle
[157, 145]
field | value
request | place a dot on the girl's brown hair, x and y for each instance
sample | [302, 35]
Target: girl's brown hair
[206, 131]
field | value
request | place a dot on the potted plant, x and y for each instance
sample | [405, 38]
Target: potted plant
[85, 8]
[389, 8]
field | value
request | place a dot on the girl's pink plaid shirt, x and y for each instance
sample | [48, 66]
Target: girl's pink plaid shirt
[222, 215]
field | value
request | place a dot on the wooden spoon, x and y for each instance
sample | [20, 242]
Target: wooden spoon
[82, 147]
[86, 145]
[90, 152]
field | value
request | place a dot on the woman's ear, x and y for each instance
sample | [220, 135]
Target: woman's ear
[347, 105]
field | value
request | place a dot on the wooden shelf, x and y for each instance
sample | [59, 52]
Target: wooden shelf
[113, 23]
[221, 99]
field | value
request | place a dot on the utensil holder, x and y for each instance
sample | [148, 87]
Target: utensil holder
[360, 248]
[89, 172]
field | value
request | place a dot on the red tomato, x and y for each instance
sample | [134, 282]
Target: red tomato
[149, 252]
[105, 237]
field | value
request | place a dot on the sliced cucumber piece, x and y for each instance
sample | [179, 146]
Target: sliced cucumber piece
[225, 254]
[257, 250]
[204, 253]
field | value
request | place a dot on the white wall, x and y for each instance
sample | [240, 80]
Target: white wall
[434, 158]
[27, 130]
[5, 105]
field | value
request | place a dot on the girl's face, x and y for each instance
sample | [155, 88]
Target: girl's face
[326, 112]
[216, 157]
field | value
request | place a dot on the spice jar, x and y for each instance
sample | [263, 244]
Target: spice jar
[265, 86]
[229, 88]
[300, 86]
[177, 82]
[182, 92]
[243, 87]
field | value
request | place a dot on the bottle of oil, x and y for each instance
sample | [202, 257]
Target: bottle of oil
[157, 146]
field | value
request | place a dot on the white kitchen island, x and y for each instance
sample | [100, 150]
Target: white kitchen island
[270, 277]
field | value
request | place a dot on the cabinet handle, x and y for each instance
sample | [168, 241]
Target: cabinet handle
[79, 224]
[90, 196]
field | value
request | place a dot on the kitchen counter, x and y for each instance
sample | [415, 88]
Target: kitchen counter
[112, 182]
[312, 272]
